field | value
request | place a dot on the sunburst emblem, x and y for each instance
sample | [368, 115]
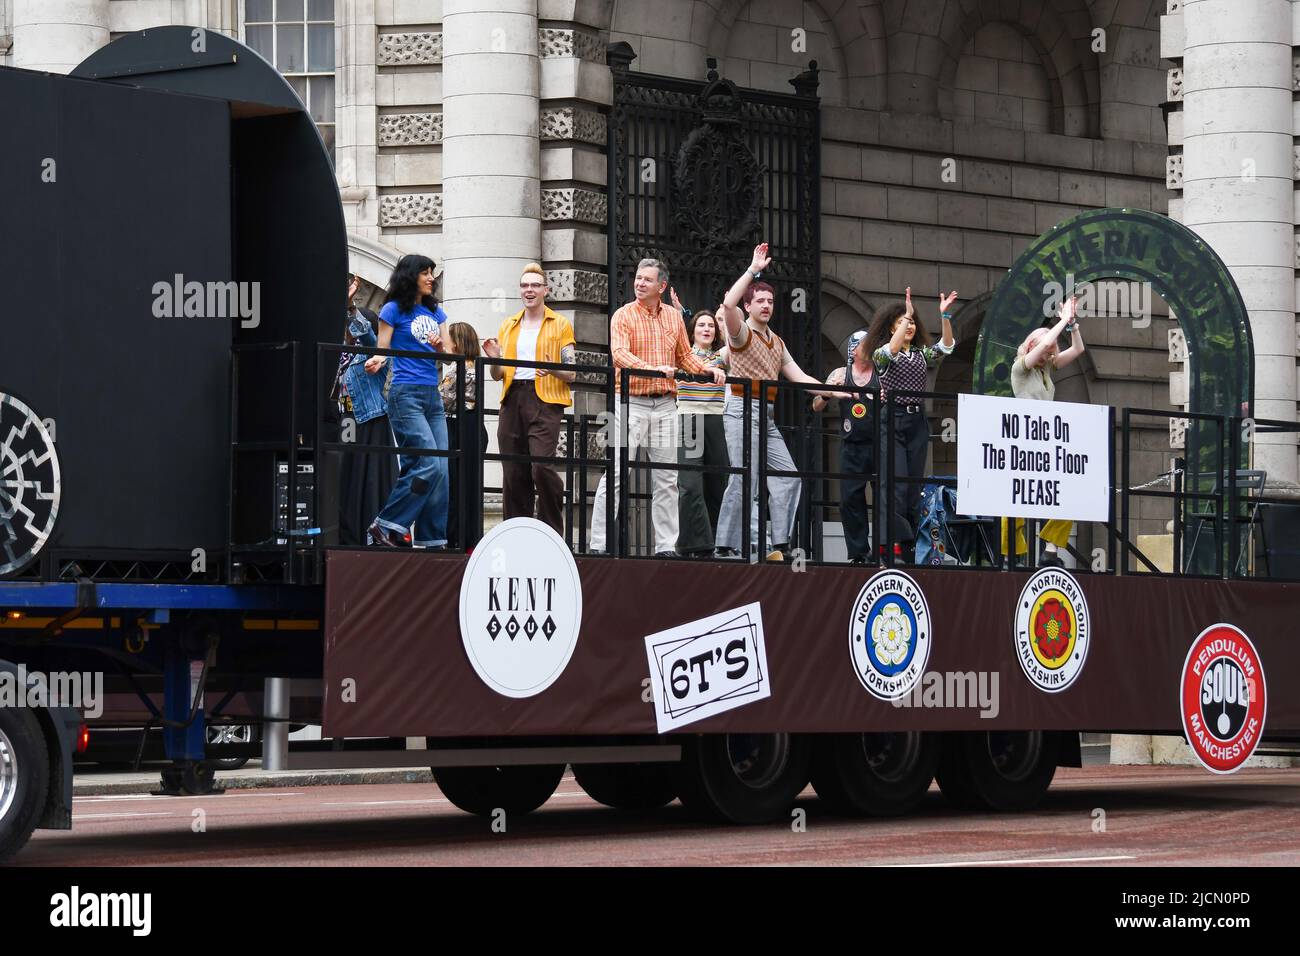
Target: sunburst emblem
[29, 484]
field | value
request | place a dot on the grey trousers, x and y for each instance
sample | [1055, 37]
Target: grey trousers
[782, 493]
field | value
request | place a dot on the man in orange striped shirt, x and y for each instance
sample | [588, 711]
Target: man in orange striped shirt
[647, 334]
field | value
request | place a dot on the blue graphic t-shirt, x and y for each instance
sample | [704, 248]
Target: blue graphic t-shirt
[411, 334]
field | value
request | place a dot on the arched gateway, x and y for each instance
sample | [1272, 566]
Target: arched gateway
[1143, 247]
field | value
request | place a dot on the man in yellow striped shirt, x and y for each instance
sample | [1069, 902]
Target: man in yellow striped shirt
[532, 401]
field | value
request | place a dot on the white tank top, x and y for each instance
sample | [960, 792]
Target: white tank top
[526, 351]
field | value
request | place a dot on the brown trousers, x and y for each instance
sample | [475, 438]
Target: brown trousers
[529, 426]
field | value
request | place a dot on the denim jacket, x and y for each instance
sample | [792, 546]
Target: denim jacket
[366, 390]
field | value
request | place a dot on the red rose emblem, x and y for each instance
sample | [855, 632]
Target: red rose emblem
[1052, 629]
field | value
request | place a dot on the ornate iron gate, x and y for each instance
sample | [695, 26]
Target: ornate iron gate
[701, 172]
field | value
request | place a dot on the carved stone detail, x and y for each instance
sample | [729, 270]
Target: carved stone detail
[410, 129]
[1174, 172]
[569, 122]
[554, 42]
[409, 49]
[411, 209]
[1177, 345]
[1177, 433]
[593, 358]
[1174, 6]
[1296, 161]
[1174, 85]
[577, 205]
[578, 285]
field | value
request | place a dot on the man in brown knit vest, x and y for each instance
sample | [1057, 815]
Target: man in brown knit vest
[757, 353]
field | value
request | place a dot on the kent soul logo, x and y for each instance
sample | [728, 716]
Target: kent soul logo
[1053, 630]
[1223, 698]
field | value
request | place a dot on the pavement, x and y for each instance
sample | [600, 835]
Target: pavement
[1093, 816]
[88, 782]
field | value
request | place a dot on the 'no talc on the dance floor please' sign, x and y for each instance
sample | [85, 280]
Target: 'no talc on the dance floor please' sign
[1027, 459]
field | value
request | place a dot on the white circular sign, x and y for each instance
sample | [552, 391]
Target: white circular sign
[890, 634]
[520, 607]
[1053, 629]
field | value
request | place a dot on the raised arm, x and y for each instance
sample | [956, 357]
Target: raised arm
[1076, 344]
[731, 302]
[945, 318]
[1035, 356]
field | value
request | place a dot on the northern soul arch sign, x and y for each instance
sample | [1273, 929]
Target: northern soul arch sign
[1179, 266]
[1139, 246]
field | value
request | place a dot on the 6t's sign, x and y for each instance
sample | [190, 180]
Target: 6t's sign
[708, 666]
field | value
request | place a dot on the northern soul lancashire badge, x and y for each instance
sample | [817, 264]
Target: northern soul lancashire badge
[890, 635]
[1053, 630]
[1222, 698]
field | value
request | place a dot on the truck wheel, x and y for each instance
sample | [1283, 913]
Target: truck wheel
[875, 774]
[481, 790]
[627, 786]
[24, 778]
[743, 778]
[998, 770]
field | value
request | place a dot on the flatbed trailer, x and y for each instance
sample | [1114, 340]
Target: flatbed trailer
[398, 668]
[145, 538]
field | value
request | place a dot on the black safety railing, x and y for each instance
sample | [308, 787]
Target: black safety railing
[1217, 521]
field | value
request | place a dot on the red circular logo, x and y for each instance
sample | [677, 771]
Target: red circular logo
[1222, 698]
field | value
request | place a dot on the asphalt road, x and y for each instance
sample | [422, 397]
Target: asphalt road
[1098, 815]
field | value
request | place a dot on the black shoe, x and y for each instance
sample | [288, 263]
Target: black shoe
[665, 554]
[1051, 560]
[379, 536]
[726, 553]
[857, 560]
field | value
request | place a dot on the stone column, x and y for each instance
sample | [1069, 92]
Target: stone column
[55, 35]
[1238, 174]
[491, 220]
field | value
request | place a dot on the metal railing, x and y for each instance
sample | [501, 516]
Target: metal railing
[1219, 510]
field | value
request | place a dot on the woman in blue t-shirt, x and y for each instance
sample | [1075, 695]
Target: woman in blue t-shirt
[411, 320]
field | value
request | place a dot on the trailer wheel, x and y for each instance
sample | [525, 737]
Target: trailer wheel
[743, 778]
[874, 774]
[998, 770]
[481, 790]
[24, 778]
[628, 786]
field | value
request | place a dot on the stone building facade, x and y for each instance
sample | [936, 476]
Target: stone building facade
[954, 131]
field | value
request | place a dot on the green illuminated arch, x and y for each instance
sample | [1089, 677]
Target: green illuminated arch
[1142, 246]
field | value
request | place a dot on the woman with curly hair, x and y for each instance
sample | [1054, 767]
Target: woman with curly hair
[902, 354]
[411, 320]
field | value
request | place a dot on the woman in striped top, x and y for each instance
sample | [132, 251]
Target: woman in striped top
[902, 353]
[704, 442]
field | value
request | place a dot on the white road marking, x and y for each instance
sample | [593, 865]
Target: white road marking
[1014, 862]
[401, 803]
[382, 803]
[109, 797]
